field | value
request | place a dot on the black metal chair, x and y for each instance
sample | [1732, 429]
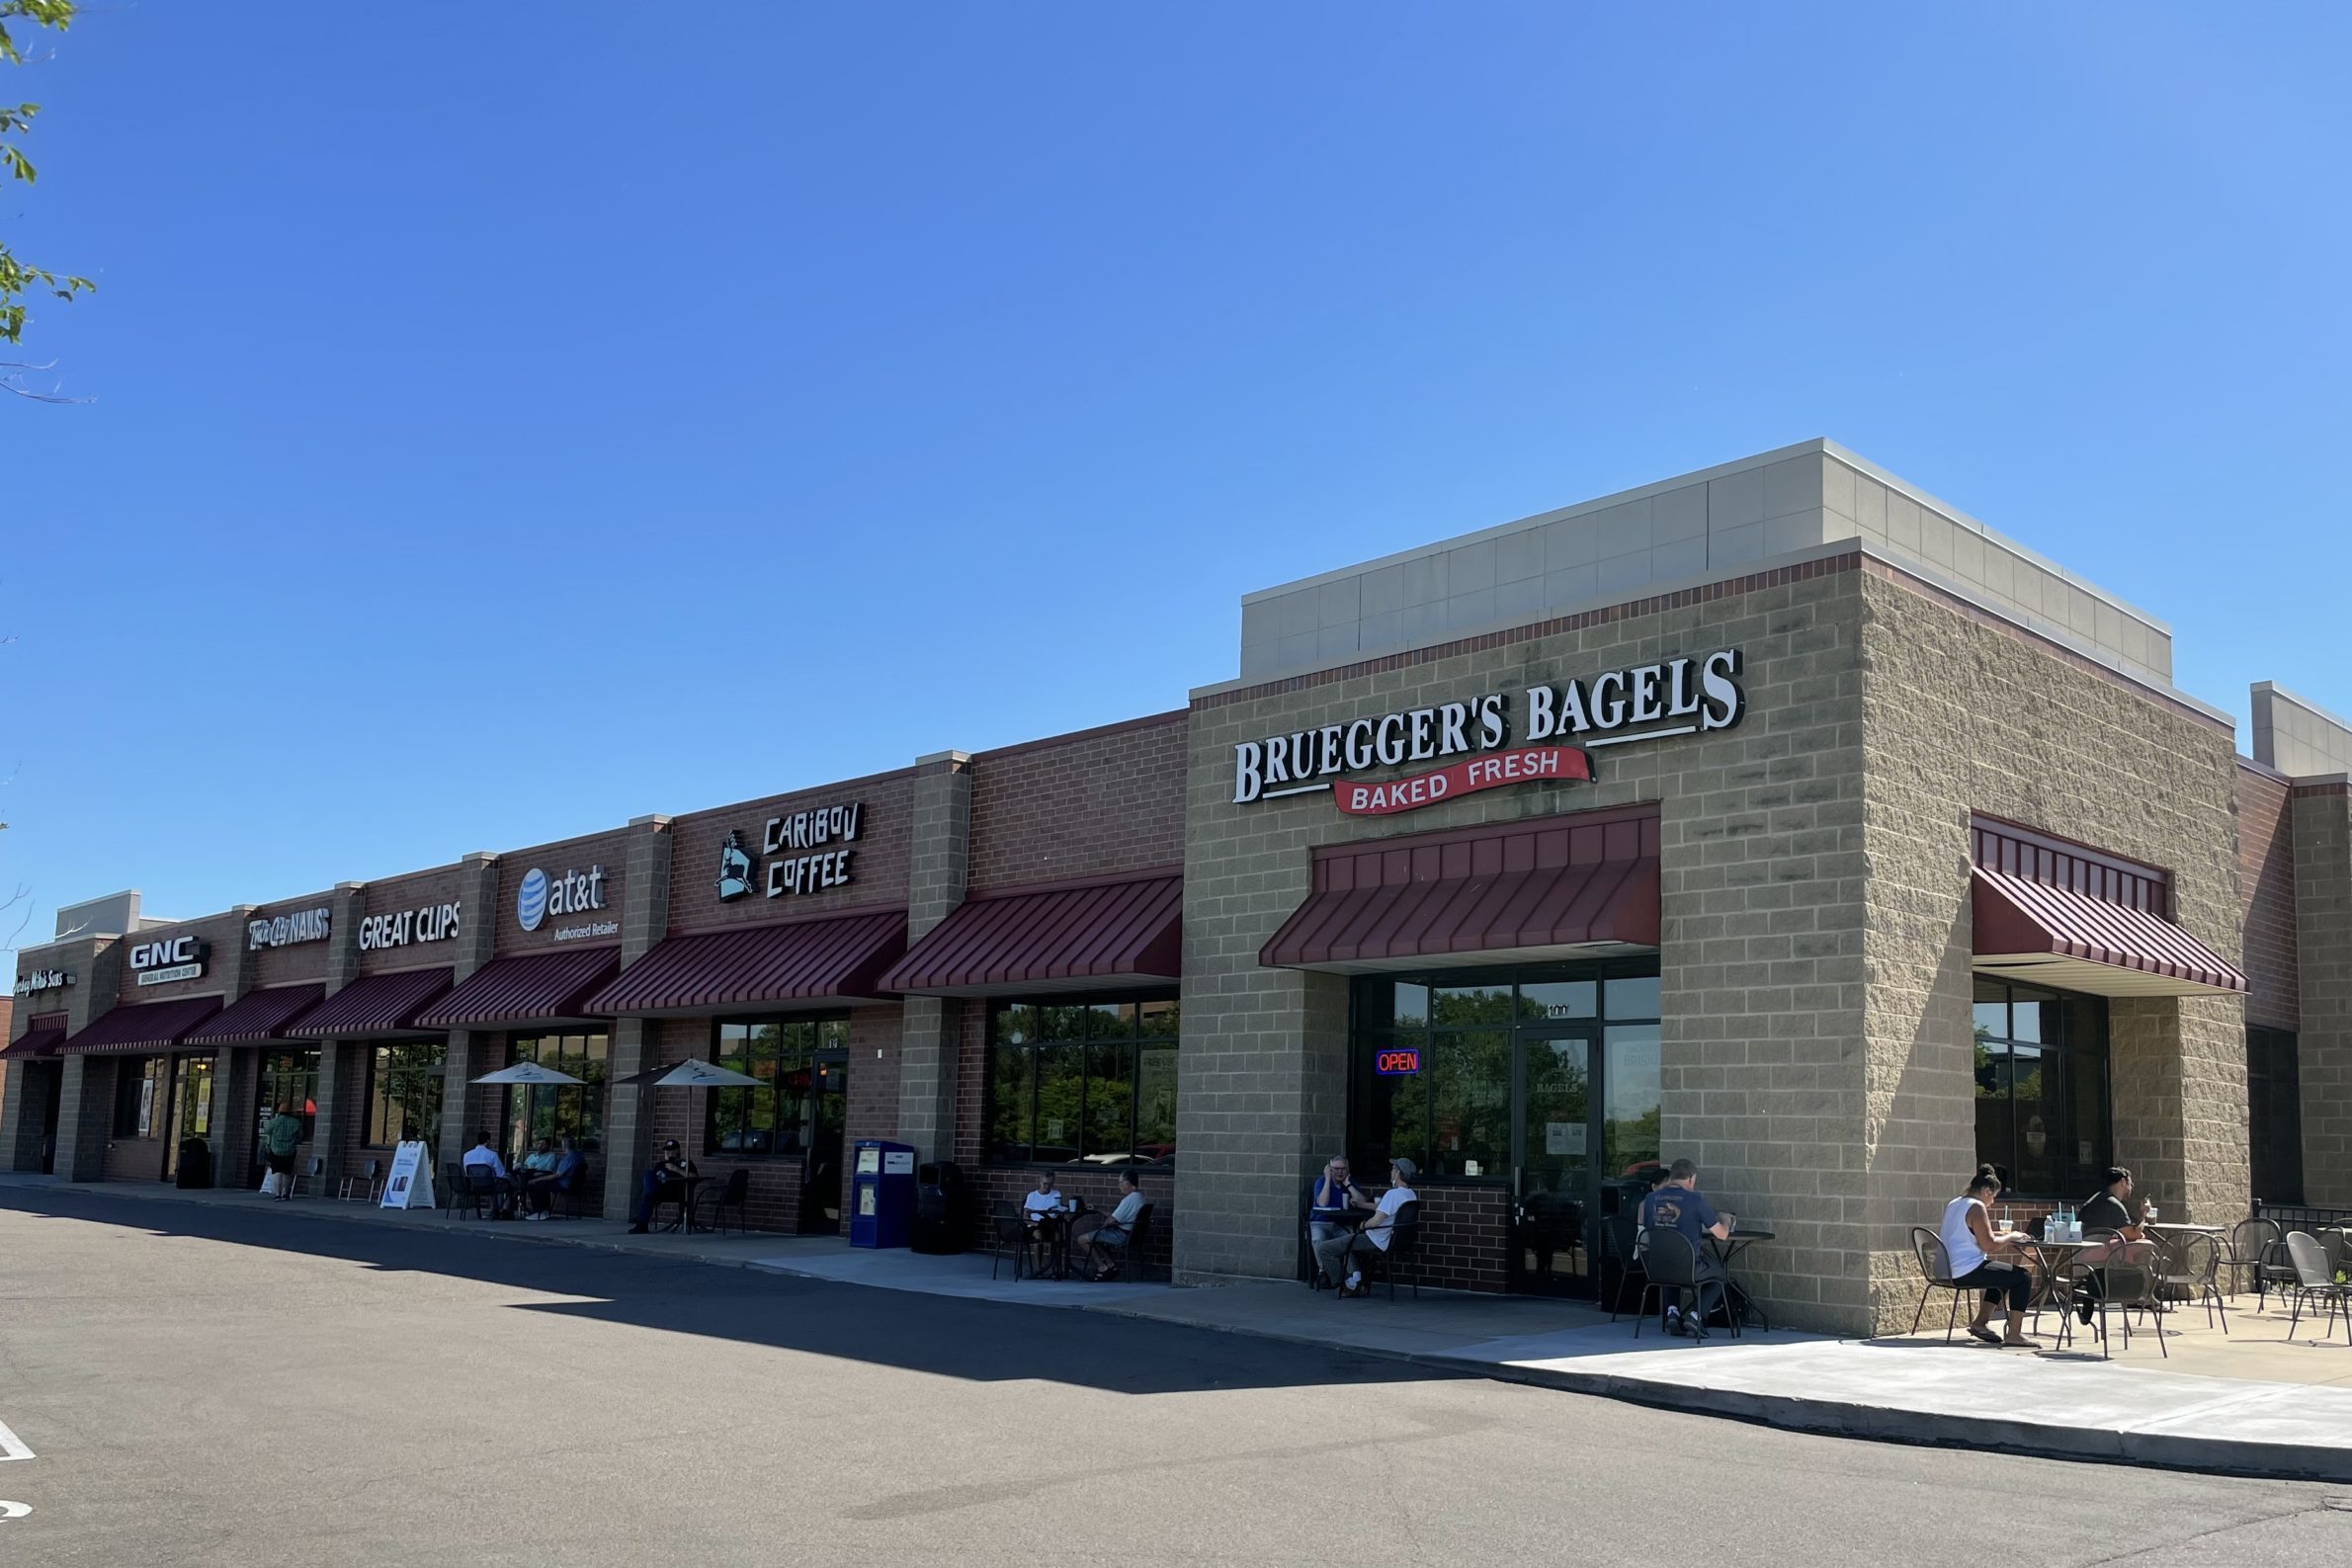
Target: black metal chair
[1403, 1250]
[1130, 1255]
[2258, 1248]
[2315, 1283]
[734, 1192]
[1935, 1273]
[1010, 1237]
[1618, 1233]
[2191, 1266]
[476, 1188]
[573, 1193]
[1672, 1265]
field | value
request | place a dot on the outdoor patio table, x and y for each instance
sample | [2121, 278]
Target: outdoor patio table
[684, 1220]
[1725, 1250]
[2053, 1256]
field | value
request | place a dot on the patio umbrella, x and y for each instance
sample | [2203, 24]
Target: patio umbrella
[528, 1073]
[692, 1075]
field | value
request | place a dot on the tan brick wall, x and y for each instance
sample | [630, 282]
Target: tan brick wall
[2266, 892]
[2323, 928]
[1761, 962]
[1961, 715]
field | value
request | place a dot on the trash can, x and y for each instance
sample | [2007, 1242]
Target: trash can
[196, 1163]
[881, 1194]
[942, 1218]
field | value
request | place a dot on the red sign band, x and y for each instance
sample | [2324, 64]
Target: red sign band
[1527, 765]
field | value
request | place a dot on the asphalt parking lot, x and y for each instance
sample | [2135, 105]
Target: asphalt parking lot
[245, 1387]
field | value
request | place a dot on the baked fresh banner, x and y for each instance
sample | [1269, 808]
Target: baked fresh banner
[1527, 765]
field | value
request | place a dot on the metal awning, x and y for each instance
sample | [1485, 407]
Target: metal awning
[837, 958]
[1079, 938]
[376, 1005]
[1554, 887]
[143, 1026]
[535, 988]
[2032, 931]
[34, 1043]
[256, 1015]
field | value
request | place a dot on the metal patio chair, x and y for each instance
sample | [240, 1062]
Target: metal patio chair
[2313, 1282]
[1935, 1273]
[1672, 1264]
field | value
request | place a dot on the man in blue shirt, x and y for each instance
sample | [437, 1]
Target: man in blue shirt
[1677, 1205]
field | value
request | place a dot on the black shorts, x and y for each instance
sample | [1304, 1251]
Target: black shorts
[283, 1164]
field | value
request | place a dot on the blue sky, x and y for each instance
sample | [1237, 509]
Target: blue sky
[514, 419]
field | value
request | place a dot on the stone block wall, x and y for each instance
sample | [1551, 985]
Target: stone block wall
[2323, 939]
[1962, 713]
[2266, 895]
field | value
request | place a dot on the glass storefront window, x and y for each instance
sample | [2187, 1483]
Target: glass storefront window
[1462, 1006]
[1469, 1102]
[1636, 1090]
[780, 1115]
[2042, 1103]
[1083, 1081]
[405, 1094]
[559, 1110]
[1631, 996]
[290, 1078]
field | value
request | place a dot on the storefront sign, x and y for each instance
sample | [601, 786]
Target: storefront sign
[809, 868]
[36, 981]
[425, 923]
[1645, 701]
[284, 931]
[1528, 765]
[410, 1185]
[572, 893]
[1402, 1063]
[172, 958]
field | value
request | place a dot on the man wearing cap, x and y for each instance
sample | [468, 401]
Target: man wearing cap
[1337, 1254]
[671, 1168]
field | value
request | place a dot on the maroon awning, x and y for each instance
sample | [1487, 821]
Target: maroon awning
[35, 1043]
[375, 1004]
[836, 959]
[2032, 931]
[1104, 934]
[535, 988]
[1551, 888]
[256, 1015]
[144, 1026]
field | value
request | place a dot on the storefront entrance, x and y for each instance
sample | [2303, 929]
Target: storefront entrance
[1542, 1080]
[191, 1110]
[828, 1114]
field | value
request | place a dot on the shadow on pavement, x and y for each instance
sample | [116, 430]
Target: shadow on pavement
[980, 1340]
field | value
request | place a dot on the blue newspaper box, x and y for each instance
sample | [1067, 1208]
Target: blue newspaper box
[881, 1194]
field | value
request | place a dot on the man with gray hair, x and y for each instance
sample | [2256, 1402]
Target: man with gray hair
[1338, 1254]
[1330, 1199]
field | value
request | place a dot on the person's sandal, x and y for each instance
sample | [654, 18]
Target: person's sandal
[1978, 1331]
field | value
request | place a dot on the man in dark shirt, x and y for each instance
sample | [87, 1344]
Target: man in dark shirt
[1676, 1205]
[2110, 1208]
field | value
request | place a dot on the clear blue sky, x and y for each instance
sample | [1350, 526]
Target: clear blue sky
[512, 419]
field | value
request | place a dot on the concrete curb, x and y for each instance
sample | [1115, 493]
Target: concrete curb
[1828, 1418]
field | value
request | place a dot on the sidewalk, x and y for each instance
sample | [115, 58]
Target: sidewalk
[2254, 1402]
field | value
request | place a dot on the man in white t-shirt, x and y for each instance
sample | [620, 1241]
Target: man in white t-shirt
[1337, 1254]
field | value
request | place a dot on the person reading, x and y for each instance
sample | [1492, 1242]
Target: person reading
[1040, 1210]
[1968, 1239]
[1676, 1205]
[668, 1170]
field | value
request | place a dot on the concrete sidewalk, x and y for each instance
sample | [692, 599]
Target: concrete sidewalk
[2255, 1401]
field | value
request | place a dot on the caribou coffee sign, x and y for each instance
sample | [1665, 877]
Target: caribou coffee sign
[425, 923]
[284, 931]
[36, 981]
[802, 852]
[1557, 726]
[172, 958]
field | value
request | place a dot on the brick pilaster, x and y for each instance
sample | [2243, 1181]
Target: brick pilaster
[636, 1042]
[462, 1103]
[342, 1064]
[236, 1069]
[85, 1109]
[939, 866]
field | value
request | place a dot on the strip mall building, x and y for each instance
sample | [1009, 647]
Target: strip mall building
[1778, 815]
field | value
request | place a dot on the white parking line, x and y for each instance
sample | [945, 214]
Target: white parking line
[12, 1447]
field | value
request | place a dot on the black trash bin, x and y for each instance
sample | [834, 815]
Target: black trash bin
[196, 1163]
[942, 1216]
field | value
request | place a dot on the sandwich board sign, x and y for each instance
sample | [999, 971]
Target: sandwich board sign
[410, 1185]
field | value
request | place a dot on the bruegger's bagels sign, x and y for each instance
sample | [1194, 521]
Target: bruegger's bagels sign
[1560, 724]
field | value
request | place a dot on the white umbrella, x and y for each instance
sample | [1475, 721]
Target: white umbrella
[706, 1075]
[528, 1073]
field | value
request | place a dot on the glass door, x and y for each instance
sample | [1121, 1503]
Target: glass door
[191, 1109]
[1552, 1158]
[828, 1117]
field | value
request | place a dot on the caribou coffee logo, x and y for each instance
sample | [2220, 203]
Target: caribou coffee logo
[802, 860]
[735, 868]
[170, 959]
[1617, 707]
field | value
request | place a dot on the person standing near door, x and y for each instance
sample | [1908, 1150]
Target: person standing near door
[279, 1140]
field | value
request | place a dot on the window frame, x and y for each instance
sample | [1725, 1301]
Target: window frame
[813, 1055]
[2070, 1055]
[1136, 1045]
[561, 1061]
[271, 1078]
[380, 1101]
[151, 1071]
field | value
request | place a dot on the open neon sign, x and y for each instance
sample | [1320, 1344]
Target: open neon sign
[1396, 1063]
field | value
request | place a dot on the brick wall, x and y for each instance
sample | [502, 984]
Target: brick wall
[297, 962]
[2266, 894]
[224, 937]
[1961, 714]
[442, 885]
[609, 849]
[1089, 805]
[878, 864]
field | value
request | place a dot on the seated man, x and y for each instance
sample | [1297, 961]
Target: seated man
[1328, 1198]
[1107, 1242]
[668, 1169]
[2109, 1209]
[1040, 1211]
[1338, 1254]
[541, 1160]
[565, 1171]
[1675, 1205]
[502, 1186]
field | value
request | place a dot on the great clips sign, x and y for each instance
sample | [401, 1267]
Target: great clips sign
[1617, 707]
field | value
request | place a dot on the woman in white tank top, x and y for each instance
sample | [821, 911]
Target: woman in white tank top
[1968, 1236]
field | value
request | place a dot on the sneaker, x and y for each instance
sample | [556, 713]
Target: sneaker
[1356, 1282]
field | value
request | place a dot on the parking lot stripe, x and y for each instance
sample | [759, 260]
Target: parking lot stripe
[12, 1447]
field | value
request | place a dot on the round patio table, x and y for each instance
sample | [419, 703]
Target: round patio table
[1737, 1298]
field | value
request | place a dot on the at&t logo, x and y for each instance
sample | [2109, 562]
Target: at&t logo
[569, 894]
